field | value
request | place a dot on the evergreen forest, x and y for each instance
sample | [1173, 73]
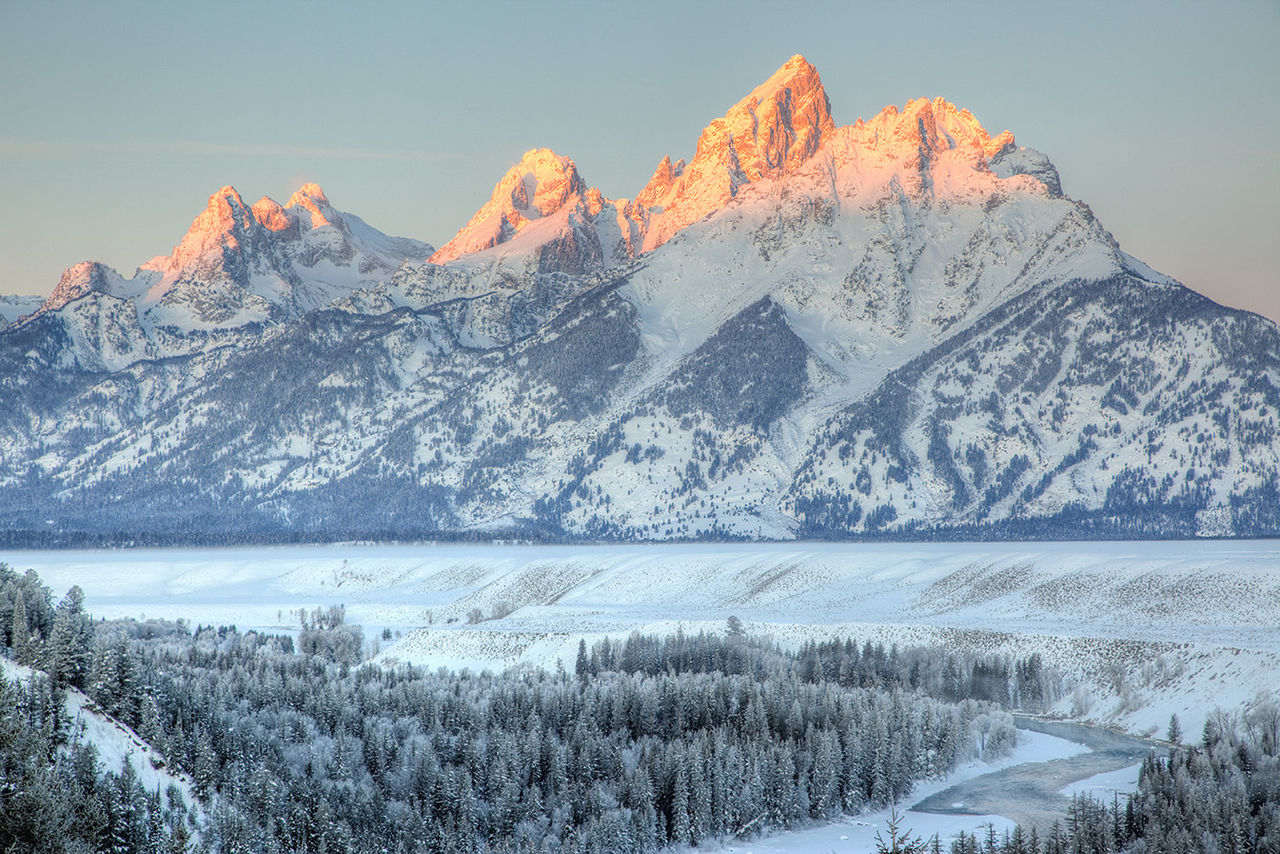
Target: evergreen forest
[293, 744]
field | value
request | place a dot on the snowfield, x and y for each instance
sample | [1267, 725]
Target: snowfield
[1141, 629]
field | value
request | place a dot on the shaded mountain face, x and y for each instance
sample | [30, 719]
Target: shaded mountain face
[896, 328]
[15, 306]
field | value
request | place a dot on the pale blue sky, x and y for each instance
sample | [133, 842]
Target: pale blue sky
[117, 120]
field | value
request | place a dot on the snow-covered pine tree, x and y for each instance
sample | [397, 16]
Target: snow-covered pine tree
[71, 641]
[20, 631]
[899, 841]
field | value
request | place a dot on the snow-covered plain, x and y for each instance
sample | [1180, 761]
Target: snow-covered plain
[1145, 628]
[1141, 630]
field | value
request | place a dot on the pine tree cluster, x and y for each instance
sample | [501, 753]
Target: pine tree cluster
[302, 752]
[295, 747]
[54, 795]
[1220, 797]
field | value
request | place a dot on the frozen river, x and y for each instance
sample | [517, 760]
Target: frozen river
[1034, 793]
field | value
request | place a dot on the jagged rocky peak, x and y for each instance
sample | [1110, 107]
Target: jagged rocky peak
[308, 192]
[225, 211]
[224, 224]
[778, 126]
[542, 184]
[769, 133]
[663, 177]
[236, 265]
[311, 198]
[932, 125]
[931, 146]
[271, 216]
[226, 220]
[229, 227]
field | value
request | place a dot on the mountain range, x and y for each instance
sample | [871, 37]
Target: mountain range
[899, 328]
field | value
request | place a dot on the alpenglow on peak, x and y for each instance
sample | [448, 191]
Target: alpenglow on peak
[770, 132]
[540, 185]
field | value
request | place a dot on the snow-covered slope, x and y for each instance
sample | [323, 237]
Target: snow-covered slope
[114, 742]
[899, 327]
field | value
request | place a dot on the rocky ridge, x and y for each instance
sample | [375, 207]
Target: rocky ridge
[237, 270]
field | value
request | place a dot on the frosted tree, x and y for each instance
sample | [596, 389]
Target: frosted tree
[825, 782]
[899, 841]
[21, 631]
[70, 643]
[1262, 722]
[681, 821]
[152, 728]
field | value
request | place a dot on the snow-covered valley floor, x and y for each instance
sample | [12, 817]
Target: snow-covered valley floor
[1140, 630]
[1146, 629]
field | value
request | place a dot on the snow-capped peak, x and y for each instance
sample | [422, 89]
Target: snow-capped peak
[311, 198]
[271, 216]
[770, 132]
[236, 266]
[780, 124]
[311, 191]
[84, 278]
[542, 184]
[895, 326]
[931, 146]
[223, 224]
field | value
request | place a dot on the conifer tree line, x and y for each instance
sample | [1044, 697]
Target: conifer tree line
[1025, 684]
[54, 794]
[305, 751]
[296, 747]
